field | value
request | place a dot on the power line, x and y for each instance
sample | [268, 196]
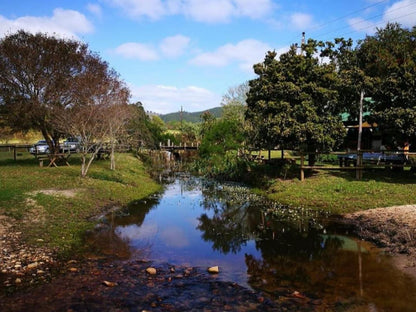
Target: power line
[377, 24]
[322, 25]
[369, 19]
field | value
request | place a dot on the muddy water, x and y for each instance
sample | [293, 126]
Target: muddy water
[286, 254]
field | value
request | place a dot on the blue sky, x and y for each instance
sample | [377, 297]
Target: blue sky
[188, 53]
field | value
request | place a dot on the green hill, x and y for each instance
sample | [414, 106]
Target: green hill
[190, 117]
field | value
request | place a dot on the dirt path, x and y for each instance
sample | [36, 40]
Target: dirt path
[391, 228]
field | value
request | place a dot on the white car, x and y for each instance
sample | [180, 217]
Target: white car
[41, 147]
[71, 145]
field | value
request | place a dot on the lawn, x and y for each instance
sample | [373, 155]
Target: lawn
[54, 206]
[339, 191]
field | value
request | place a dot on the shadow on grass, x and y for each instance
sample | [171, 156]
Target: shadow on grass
[379, 175]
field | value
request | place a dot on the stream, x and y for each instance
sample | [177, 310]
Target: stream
[259, 245]
[270, 258]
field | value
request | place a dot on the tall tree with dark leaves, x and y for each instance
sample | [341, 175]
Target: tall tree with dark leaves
[293, 102]
[389, 58]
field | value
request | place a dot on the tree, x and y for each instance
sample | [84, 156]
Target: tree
[234, 102]
[98, 113]
[137, 131]
[293, 102]
[219, 149]
[37, 78]
[389, 59]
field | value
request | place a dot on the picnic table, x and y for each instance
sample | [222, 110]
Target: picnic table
[54, 159]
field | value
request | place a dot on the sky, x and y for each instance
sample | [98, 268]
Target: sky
[187, 54]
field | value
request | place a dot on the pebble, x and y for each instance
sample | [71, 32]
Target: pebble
[151, 271]
[18, 259]
[214, 270]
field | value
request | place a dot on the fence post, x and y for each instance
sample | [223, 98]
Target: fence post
[302, 172]
[359, 171]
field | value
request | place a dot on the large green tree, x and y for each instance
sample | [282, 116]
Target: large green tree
[43, 78]
[36, 78]
[294, 102]
[389, 58]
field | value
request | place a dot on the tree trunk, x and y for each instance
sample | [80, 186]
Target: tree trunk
[311, 159]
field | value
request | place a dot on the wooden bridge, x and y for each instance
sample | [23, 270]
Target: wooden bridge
[183, 147]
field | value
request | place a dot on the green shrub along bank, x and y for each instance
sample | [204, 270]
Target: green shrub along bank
[55, 206]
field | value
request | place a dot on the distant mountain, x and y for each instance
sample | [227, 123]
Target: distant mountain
[190, 117]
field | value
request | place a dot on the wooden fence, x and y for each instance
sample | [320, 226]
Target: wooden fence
[363, 161]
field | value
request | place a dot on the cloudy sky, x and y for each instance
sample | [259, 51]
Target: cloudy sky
[188, 53]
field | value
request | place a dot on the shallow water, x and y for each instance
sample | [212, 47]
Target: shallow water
[258, 244]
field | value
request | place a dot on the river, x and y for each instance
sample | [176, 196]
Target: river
[260, 245]
[270, 258]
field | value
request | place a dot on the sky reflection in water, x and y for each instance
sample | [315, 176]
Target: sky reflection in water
[201, 224]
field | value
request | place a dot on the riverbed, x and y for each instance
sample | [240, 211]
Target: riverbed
[270, 257]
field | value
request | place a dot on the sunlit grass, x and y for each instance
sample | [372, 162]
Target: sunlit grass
[340, 192]
[60, 220]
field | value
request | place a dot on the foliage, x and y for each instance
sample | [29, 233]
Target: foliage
[293, 102]
[234, 103]
[219, 149]
[60, 88]
[207, 121]
[137, 132]
[38, 75]
[389, 58]
[158, 131]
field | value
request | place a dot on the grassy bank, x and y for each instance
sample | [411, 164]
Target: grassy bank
[53, 206]
[339, 192]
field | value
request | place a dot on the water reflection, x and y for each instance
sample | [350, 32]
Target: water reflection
[256, 243]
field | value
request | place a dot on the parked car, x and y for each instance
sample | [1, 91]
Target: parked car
[373, 158]
[71, 145]
[41, 147]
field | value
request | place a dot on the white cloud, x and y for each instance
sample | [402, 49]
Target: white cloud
[65, 23]
[362, 25]
[246, 53]
[254, 9]
[166, 99]
[403, 12]
[135, 50]
[153, 9]
[95, 9]
[174, 46]
[170, 47]
[301, 21]
[209, 11]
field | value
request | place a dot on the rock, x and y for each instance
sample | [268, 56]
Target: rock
[73, 270]
[18, 281]
[32, 265]
[151, 271]
[109, 284]
[214, 270]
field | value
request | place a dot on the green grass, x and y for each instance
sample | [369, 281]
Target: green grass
[339, 192]
[60, 221]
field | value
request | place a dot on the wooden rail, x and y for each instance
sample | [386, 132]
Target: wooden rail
[358, 168]
[15, 147]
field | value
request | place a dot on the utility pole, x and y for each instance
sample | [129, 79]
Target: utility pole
[359, 173]
[181, 124]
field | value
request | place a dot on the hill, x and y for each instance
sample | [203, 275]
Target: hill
[190, 117]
